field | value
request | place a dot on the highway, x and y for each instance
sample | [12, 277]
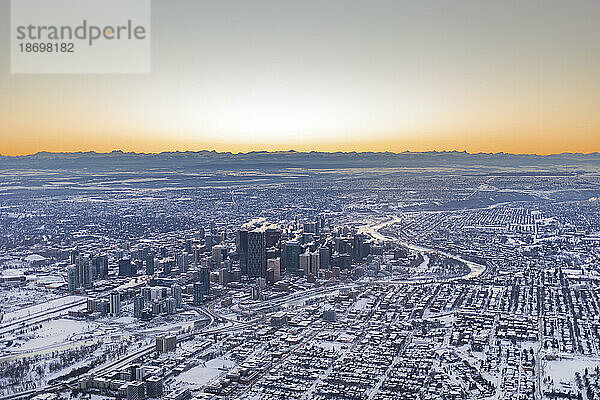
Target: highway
[265, 306]
[40, 317]
[128, 358]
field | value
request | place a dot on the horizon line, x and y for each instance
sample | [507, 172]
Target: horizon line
[119, 151]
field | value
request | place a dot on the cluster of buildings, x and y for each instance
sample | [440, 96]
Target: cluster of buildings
[160, 280]
[317, 306]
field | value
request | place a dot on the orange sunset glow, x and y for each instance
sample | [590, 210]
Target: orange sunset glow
[518, 77]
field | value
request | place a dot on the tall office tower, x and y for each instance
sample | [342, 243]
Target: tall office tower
[138, 306]
[344, 261]
[204, 280]
[242, 250]
[171, 305]
[358, 247]
[100, 265]
[73, 256]
[150, 263]
[93, 269]
[257, 257]
[182, 261]
[343, 245]
[209, 242]
[85, 271]
[115, 303]
[141, 253]
[72, 278]
[198, 293]
[167, 266]
[283, 263]
[197, 290]
[324, 254]
[255, 292]
[126, 268]
[78, 267]
[305, 263]
[213, 227]
[225, 276]
[136, 372]
[197, 254]
[156, 308]
[315, 263]
[275, 265]
[317, 226]
[272, 237]
[309, 227]
[217, 253]
[147, 293]
[291, 257]
[261, 283]
[176, 293]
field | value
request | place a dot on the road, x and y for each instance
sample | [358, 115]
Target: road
[116, 364]
[40, 317]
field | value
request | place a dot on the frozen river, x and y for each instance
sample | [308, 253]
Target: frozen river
[373, 231]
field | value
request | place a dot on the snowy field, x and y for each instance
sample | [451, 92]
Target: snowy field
[203, 374]
[564, 370]
[329, 345]
[55, 332]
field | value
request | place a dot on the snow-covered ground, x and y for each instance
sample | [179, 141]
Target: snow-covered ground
[564, 370]
[328, 345]
[45, 306]
[56, 331]
[203, 374]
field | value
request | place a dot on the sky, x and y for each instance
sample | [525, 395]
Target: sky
[336, 75]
